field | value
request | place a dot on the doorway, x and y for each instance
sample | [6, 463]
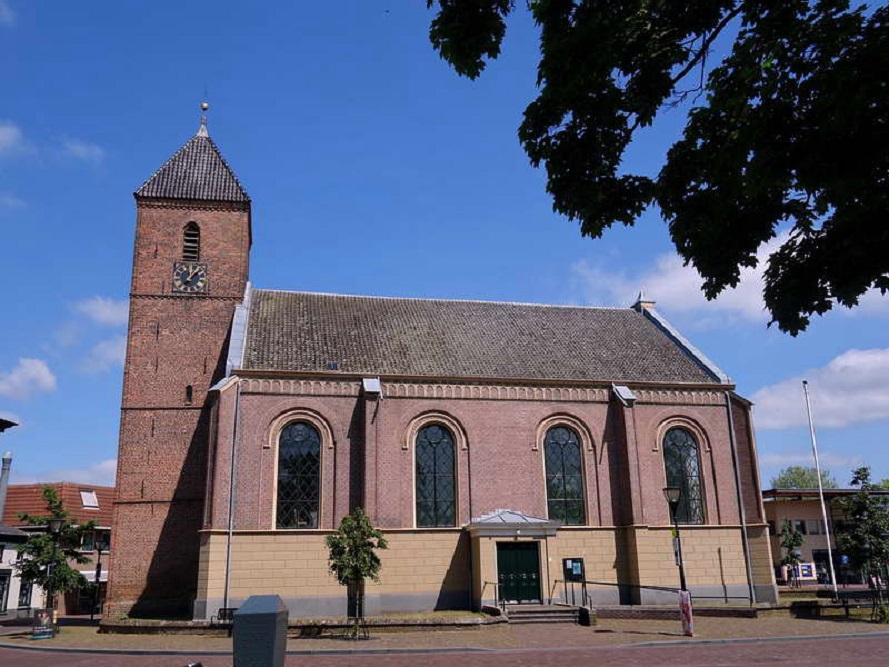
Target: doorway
[5, 578]
[518, 572]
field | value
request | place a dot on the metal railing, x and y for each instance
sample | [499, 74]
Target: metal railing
[497, 601]
[626, 590]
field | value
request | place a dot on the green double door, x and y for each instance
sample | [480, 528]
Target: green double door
[518, 571]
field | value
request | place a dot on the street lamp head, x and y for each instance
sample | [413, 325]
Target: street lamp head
[101, 545]
[672, 494]
[55, 525]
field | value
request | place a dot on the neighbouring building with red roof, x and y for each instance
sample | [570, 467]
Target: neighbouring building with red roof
[83, 502]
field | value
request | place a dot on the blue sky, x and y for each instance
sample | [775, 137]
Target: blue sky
[373, 169]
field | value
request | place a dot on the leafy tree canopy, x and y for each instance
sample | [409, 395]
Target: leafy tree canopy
[864, 536]
[44, 558]
[802, 477]
[788, 134]
[352, 557]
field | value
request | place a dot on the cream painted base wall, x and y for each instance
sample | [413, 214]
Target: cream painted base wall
[440, 569]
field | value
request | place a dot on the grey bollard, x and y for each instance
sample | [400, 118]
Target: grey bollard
[260, 632]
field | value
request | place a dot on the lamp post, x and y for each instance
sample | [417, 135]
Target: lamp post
[55, 529]
[101, 546]
[673, 494]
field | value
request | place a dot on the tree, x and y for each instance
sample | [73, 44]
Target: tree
[791, 541]
[786, 137]
[802, 477]
[352, 557]
[864, 535]
[45, 558]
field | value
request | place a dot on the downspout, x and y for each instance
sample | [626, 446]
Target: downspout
[231, 496]
[744, 537]
[4, 482]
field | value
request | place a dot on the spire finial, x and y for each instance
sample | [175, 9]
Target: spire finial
[202, 130]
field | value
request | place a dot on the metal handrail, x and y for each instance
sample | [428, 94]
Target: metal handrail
[496, 586]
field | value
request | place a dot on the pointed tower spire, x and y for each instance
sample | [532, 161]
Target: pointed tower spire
[197, 171]
[202, 130]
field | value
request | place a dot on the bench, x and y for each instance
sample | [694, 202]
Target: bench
[225, 617]
[858, 599]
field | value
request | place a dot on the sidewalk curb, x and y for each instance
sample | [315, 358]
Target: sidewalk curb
[750, 640]
[445, 649]
[161, 651]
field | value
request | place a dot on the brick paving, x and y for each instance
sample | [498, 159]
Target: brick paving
[612, 642]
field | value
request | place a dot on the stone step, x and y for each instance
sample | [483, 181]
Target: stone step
[542, 614]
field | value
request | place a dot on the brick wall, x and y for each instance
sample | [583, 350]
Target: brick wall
[174, 341]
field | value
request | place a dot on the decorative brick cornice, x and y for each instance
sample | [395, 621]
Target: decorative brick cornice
[679, 397]
[192, 204]
[205, 297]
[474, 391]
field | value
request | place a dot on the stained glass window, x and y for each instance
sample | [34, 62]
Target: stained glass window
[564, 476]
[299, 476]
[436, 482]
[683, 470]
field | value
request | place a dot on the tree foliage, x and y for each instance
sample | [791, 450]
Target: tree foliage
[864, 536]
[802, 477]
[791, 541]
[352, 550]
[45, 558]
[788, 134]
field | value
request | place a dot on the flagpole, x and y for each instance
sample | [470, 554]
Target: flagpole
[833, 576]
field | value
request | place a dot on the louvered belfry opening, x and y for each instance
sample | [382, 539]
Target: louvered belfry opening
[191, 242]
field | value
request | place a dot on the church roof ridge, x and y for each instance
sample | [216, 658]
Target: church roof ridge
[197, 171]
[442, 300]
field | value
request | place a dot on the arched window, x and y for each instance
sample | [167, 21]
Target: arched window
[299, 476]
[191, 242]
[436, 478]
[564, 476]
[683, 470]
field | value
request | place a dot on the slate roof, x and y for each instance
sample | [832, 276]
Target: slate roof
[196, 171]
[299, 331]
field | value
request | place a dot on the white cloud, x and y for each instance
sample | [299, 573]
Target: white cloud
[102, 310]
[82, 150]
[102, 474]
[106, 354]
[805, 458]
[7, 16]
[29, 377]
[10, 202]
[676, 289]
[852, 388]
[11, 137]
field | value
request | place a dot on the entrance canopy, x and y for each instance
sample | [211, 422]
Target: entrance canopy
[512, 523]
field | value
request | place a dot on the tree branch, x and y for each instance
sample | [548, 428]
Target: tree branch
[705, 45]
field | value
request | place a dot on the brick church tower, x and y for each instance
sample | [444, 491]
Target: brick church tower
[190, 266]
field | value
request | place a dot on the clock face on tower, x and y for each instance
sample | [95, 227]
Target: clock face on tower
[189, 277]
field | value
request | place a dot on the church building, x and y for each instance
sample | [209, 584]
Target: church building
[502, 447]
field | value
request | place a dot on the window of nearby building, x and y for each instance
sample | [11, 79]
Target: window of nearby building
[815, 527]
[683, 470]
[564, 476]
[25, 594]
[299, 476]
[191, 242]
[772, 530]
[799, 525]
[89, 499]
[88, 541]
[436, 477]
